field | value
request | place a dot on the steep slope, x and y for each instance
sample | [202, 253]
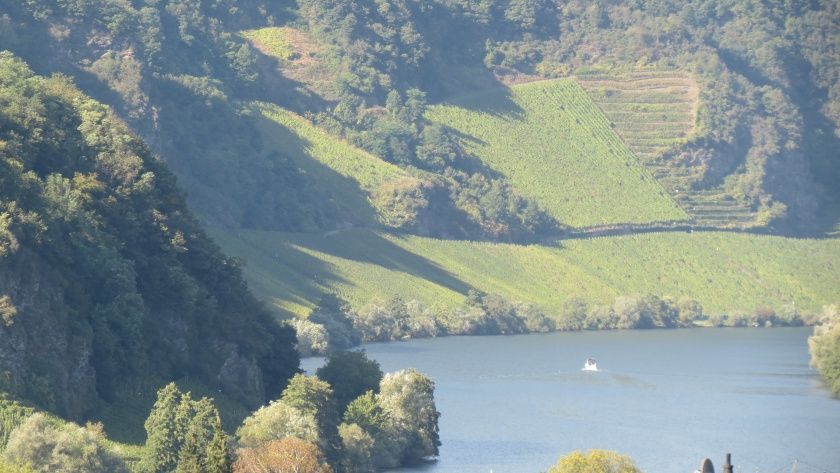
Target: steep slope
[348, 177]
[654, 112]
[725, 272]
[106, 280]
[554, 144]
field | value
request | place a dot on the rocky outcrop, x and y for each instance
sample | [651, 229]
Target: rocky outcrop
[44, 353]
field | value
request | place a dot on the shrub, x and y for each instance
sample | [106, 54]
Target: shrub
[50, 447]
[281, 456]
[358, 447]
[277, 421]
[824, 345]
[311, 337]
[595, 461]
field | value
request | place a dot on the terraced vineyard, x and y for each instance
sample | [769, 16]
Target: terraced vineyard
[654, 111]
[554, 145]
[724, 271]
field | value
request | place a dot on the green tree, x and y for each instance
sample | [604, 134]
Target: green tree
[350, 374]
[366, 412]
[184, 436]
[277, 421]
[219, 457]
[824, 345]
[595, 461]
[314, 397]
[407, 397]
[573, 314]
[163, 440]
[358, 448]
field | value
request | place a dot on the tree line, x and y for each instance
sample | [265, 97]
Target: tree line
[334, 325]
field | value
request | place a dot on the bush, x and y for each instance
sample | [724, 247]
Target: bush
[824, 345]
[595, 461]
[51, 447]
[358, 448]
[341, 334]
[277, 421]
[282, 456]
[12, 414]
[312, 338]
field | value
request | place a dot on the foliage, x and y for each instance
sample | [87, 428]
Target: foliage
[311, 337]
[365, 412]
[351, 374]
[358, 447]
[331, 313]
[49, 446]
[279, 456]
[184, 436]
[825, 347]
[594, 461]
[397, 426]
[407, 397]
[277, 421]
[314, 397]
[12, 414]
[6, 467]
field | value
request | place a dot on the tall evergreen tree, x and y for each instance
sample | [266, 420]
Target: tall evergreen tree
[185, 436]
[162, 441]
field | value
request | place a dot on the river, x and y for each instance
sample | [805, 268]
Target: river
[667, 398]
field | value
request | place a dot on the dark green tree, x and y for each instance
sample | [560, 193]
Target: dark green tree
[162, 433]
[350, 373]
[314, 397]
[184, 436]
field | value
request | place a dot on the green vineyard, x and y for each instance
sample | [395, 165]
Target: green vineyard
[654, 111]
[724, 271]
[555, 146]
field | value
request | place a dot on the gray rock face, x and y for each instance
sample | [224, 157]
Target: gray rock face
[241, 376]
[43, 357]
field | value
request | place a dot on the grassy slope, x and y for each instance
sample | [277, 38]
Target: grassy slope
[724, 271]
[349, 174]
[554, 144]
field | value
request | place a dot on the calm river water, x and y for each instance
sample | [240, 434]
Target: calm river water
[667, 398]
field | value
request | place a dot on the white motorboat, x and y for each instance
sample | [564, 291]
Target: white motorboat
[590, 365]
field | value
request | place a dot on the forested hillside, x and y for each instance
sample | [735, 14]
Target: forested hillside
[107, 282]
